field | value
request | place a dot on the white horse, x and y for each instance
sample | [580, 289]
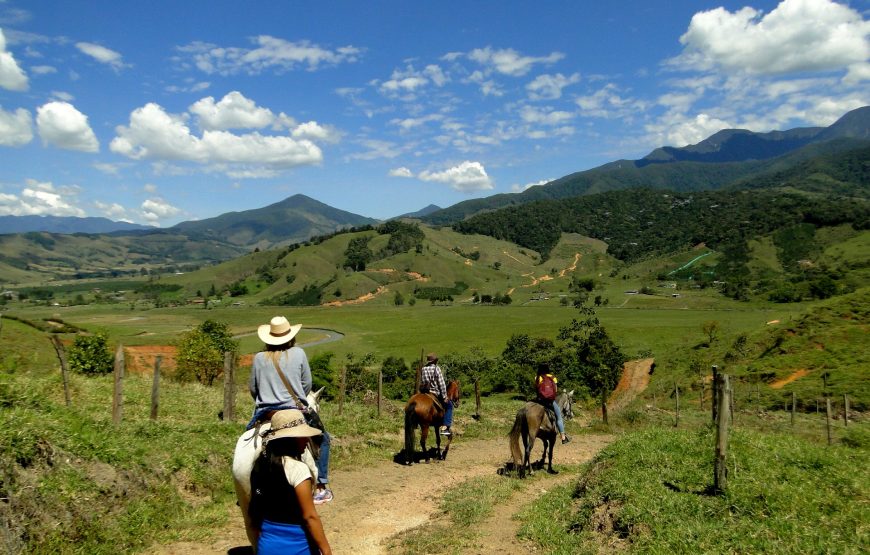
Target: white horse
[248, 447]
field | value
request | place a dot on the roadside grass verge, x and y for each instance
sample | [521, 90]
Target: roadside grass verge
[649, 493]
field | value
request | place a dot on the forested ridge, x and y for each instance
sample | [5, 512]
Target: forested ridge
[640, 222]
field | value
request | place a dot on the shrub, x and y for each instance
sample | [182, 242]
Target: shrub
[201, 351]
[90, 355]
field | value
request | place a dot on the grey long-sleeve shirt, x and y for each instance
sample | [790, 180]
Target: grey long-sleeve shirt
[266, 386]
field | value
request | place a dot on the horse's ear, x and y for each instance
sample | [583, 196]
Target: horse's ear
[571, 394]
[317, 393]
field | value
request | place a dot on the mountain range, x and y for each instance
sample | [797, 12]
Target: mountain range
[821, 160]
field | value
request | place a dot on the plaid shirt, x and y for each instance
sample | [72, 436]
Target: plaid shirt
[432, 378]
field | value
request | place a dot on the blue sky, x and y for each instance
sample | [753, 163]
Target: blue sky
[163, 111]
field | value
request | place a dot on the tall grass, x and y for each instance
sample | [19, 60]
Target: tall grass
[649, 492]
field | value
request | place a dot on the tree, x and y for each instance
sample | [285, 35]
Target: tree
[90, 355]
[711, 330]
[398, 299]
[590, 356]
[200, 355]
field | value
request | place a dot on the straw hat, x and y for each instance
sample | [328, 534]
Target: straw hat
[431, 357]
[278, 331]
[290, 423]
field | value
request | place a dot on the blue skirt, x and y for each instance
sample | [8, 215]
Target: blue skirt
[282, 539]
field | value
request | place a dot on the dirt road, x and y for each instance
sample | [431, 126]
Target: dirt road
[374, 503]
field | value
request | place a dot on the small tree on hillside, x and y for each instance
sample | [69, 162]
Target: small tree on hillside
[200, 355]
[89, 354]
[590, 356]
[711, 330]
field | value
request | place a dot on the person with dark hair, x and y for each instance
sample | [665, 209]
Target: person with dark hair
[281, 379]
[546, 389]
[282, 508]
[432, 380]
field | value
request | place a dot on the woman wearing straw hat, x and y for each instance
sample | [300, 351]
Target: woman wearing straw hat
[281, 379]
[281, 501]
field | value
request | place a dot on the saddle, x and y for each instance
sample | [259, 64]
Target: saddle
[548, 410]
[436, 400]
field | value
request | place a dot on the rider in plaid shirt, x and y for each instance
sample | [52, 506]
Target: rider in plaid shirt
[432, 378]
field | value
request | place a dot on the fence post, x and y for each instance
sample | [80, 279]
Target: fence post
[64, 370]
[117, 399]
[341, 387]
[845, 410]
[380, 389]
[155, 387]
[229, 386]
[715, 407]
[677, 398]
[604, 406]
[477, 398]
[793, 403]
[701, 393]
[419, 375]
[828, 420]
[720, 472]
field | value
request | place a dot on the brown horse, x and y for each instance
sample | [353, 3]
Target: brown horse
[422, 410]
[533, 422]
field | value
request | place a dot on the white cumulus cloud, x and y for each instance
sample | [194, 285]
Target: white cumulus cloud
[466, 177]
[798, 35]
[268, 53]
[62, 125]
[12, 77]
[16, 128]
[549, 87]
[113, 211]
[510, 62]
[517, 188]
[233, 111]
[102, 54]
[37, 199]
[155, 134]
[400, 172]
[156, 209]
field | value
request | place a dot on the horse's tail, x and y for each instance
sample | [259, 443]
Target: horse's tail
[515, 434]
[410, 424]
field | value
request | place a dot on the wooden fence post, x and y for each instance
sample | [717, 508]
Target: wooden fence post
[845, 410]
[701, 393]
[793, 406]
[64, 369]
[604, 406]
[117, 399]
[155, 387]
[715, 393]
[828, 420]
[419, 375]
[677, 398]
[720, 471]
[380, 389]
[229, 386]
[477, 398]
[341, 387]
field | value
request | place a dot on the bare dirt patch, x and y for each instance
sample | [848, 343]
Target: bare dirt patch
[796, 375]
[635, 379]
[372, 504]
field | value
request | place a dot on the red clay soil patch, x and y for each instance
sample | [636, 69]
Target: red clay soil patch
[779, 384]
[635, 379]
[140, 359]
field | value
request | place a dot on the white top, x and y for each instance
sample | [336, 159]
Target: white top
[296, 471]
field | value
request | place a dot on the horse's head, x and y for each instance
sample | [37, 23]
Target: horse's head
[312, 399]
[566, 400]
[453, 392]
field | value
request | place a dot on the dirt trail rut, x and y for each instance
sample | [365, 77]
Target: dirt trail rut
[372, 504]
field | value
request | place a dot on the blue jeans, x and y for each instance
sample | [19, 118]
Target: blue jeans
[448, 413]
[323, 460]
[560, 423]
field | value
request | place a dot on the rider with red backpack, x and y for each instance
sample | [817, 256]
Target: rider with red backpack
[545, 387]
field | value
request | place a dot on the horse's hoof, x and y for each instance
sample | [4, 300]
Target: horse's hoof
[551, 471]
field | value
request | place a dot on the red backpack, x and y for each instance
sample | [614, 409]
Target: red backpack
[547, 388]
